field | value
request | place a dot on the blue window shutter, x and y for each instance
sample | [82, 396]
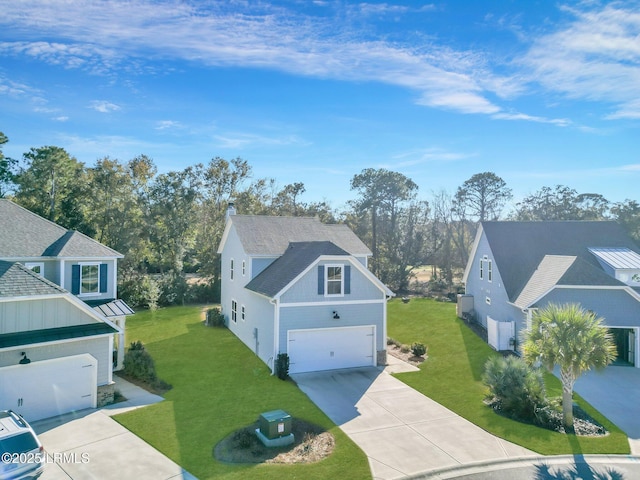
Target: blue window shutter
[347, 279]
[103, 277]
[75, 279]
[320, 279]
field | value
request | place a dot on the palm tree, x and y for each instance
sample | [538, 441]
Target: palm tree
[571, 338]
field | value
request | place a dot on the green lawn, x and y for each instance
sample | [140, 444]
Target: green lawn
[219, 386]
[452, 376]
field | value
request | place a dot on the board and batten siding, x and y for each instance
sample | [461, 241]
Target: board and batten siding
[321, 316]
[38, 314]
[100, 347]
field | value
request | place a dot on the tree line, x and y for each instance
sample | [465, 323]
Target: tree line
[169, 225]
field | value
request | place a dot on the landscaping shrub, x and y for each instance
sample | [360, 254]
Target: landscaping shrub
[138, 364]
[282, 366]
[215, 318]
[405, 348]
[515, 388]
[418, 349]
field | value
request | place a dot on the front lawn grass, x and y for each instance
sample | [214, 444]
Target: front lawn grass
[220, 386]
[452, 373]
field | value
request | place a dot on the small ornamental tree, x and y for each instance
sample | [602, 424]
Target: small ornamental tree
[569, 337]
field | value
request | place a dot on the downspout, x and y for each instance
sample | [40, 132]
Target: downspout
[276, 333]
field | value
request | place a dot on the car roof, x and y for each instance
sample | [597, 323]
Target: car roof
[11, 424]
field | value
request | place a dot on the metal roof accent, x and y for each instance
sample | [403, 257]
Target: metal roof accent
[618, 258]
[114, 308]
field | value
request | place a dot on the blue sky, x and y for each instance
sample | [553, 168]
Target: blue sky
[539, 92]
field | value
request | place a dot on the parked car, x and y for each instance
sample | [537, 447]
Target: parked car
[23, 456]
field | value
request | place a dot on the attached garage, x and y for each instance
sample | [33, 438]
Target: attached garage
[50, 387]
[331, 348]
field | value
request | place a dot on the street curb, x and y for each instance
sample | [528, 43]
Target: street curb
[503, 464]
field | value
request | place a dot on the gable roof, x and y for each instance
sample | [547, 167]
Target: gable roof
[18, 281]
[23, 234]
[519, 248]
[297, 257]
[271, 236]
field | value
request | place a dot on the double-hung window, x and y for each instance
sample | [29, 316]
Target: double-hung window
[90, 279]
[334, 279]
[234, 311]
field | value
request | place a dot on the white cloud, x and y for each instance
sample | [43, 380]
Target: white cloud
[240, 140]
[104, 106]
[168, 125]
[596, 57]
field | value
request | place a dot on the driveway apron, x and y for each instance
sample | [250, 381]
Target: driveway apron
[90, 445]
[614, 392]
[401, 431]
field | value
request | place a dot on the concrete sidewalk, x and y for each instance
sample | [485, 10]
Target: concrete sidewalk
[90, 445]
[401, 431]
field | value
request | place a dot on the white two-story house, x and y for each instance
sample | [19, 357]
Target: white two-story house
[297, 286]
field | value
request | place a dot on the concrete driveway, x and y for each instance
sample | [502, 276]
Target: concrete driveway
[401, 431]
[614, 392]
[89, 445]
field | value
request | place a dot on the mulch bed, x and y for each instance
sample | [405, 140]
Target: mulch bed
[312, 444]
[404, 356]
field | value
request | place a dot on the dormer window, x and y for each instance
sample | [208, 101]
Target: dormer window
[334, 280]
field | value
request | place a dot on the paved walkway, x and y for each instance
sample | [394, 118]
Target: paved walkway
[401, 431]
[90, 445]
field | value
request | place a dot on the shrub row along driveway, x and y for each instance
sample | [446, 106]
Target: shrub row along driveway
[401, 431]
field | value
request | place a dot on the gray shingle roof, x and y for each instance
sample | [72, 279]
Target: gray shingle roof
[23, 234]
[519, 248]
[297, 257]
[265, 235]
[18, 281]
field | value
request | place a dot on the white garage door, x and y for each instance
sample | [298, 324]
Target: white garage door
[331, 348]
[50, 387]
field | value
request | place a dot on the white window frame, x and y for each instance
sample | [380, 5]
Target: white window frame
[327, 280]
[242, 313]
[32, 265]
[490, 270]
[244, 268]
[89, 294]
[231, 267]
[234, 311]
[482, 269]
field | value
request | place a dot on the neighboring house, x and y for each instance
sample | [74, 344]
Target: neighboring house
[518, 267]
[58, 306]
[297, 286]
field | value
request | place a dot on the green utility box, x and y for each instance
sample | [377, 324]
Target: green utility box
[275, 424]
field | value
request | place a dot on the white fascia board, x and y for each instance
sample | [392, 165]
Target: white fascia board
[27, 298]
[472, 256]
[629, 290]
[339, 302]
[225, 235]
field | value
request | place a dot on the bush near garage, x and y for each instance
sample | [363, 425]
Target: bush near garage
[138, 365]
